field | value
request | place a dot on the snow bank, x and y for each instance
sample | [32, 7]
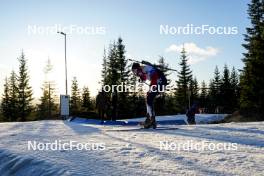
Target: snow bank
[14, 164]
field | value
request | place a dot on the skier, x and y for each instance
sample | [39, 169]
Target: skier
[158, 82]
[191, 114]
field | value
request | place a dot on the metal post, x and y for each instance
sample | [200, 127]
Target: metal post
[66, 79]
[64, 99]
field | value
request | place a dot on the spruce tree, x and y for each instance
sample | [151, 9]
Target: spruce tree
[13, 104]
[6, 101]
[112, 76]
[215, 93]
[226, 91]
[75, 100]
[116, 72]
[44, 108]
[252, 76]
[112, 66]
[160, 104]
[234, 81]
[104, 69]
[184, 78]
[122, 61]
[194, 91]
[86, 100]
[217, 79]
[203, 96]
[212, 94]
[24, 90]
[123, 77]
[48, 106]
[163, 65]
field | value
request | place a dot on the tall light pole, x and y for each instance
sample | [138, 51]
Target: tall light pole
[66, 80]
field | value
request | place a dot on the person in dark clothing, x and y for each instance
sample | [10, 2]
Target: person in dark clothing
[102, 105]
[114, 105]
[191, 114]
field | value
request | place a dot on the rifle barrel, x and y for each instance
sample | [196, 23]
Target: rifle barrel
[148, 63]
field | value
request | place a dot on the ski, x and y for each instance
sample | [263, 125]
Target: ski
[142, 129]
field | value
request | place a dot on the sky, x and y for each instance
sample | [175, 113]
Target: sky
[140, 23]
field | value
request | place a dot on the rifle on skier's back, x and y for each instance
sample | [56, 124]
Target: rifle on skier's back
[159, 67]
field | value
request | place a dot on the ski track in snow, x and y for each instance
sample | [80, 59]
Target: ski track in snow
[131, 152]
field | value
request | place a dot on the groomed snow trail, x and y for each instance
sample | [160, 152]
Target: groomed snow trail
[135, 152]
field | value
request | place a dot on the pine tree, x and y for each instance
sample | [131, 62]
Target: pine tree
[212, 93]
[24, 90]
[170, 103]
[112, 66]
[163, 65]
[13, 104]
[160, 104]
[203, 96]
[44, 106]
[86, 99]
[75, 101]
[215, 93]
[184, 78]
[194, 90]
[217, 80]
[6, 101]
[122, 61]
[48, 105]
[226, 91]
[234, 81]
[116, 72]
[112, 76]
[123, 77]
[252, 76]
[104, 69]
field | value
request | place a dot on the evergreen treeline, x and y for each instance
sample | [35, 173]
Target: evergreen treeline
[116, 71]
[220, 96]
[17, 99]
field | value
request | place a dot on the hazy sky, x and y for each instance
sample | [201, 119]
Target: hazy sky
[137, 22]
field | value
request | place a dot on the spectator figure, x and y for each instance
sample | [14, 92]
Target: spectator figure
[191, 114]
[102, 104]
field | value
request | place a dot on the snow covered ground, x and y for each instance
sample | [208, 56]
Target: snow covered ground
[128, 150]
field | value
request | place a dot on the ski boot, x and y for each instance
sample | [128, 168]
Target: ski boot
[150, 122]
[153, 122]
[191, 120]
[147, 121]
